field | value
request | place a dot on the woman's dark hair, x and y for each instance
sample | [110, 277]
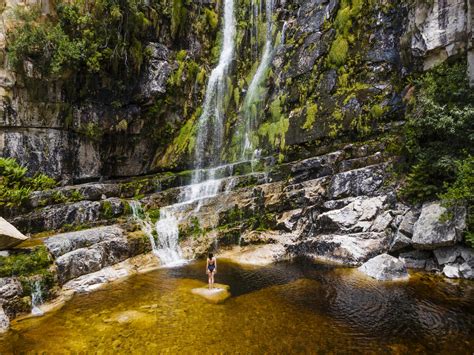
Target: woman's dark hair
[211, 256]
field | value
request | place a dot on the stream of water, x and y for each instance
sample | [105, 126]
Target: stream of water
[282, 308]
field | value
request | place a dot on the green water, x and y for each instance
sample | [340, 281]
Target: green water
[284, 308]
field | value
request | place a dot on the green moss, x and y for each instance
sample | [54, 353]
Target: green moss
[377, 111]
[25, 263]
[212, 18]
[338, 53]
[311, 112]
[107, 210]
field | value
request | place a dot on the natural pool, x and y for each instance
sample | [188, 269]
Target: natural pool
[283, 308]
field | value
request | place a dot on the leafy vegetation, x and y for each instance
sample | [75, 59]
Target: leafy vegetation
[103, 35]
[16, 186]
[440, 139]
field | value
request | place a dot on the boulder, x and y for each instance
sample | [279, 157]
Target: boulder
[9, 235]
[452, 271]
[385, 268]
[91, 259]
[218, 294]
[346, 249]
[431, 231]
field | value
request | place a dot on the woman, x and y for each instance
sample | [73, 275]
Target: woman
[211, 269]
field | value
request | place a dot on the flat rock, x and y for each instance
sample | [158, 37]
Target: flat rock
[385, 268]
[218, 294]
[9, 235]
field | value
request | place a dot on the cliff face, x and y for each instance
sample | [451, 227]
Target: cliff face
[337, 74]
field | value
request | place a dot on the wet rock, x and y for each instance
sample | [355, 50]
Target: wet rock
[10, 287]
[63, 243]
[385, 268]
[416, 259]
[4, 321]
[452, 271]
[9, 235]
[157, 72]
[218, 294]
[430, 231]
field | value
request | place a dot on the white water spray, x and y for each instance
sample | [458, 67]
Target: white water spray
[36, 298]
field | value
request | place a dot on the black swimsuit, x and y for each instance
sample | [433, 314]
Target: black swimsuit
[212, 266]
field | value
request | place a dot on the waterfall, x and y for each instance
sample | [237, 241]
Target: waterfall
[210, 126]
[36, 298]
[165, 246]
[255, 94]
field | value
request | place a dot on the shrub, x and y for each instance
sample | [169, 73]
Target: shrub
[25, 264]
[16, 186]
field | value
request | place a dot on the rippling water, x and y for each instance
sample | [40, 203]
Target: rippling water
[284, 308]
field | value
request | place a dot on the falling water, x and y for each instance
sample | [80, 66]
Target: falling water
[210, 126]
[255, 92]
[36, 298]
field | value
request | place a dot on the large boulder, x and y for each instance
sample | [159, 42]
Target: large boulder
[9, 235]
[346, 249]
[385, 268]
[434, 229]
[91, 259]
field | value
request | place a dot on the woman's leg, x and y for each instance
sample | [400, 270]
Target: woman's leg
[212, 279]
[209, 279]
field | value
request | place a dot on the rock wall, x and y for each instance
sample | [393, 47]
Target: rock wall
[54, 126]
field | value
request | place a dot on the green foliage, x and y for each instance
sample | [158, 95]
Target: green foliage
[102, 35]
[439, 132]
[16, 186]
[461, 192]
[25, 264]
[107, 210]
[276, 129]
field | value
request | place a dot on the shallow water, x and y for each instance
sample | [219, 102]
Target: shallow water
[290, 308]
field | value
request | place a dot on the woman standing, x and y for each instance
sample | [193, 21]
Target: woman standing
[211, 269]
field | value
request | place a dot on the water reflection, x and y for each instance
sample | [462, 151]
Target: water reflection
[281, 308]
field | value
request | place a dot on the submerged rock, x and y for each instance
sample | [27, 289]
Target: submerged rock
[218, 294]
[385, 268]
[9, 235]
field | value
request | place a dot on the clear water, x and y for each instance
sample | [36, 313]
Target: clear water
[283, 308]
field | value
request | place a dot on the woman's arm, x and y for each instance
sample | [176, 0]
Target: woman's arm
[215, 265]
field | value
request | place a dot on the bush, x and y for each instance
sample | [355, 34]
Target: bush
[439, 133]
[103, 35]
[16, 186]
